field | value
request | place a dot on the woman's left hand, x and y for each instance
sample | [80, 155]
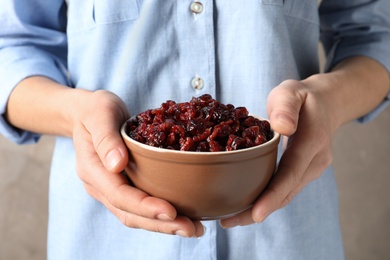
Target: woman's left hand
[303, 113]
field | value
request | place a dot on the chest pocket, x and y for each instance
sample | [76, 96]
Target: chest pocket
[114, 11]
[304, 10]
[272, 2]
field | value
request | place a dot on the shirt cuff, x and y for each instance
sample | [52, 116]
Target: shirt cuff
[17, 64]
[374, 48]
[368, 117]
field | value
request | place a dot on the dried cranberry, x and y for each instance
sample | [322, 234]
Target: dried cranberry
[220, 130]
[202, 124]
[235, 143]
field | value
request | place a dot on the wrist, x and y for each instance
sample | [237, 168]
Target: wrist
[40, 105]
[325, 89]
[352, 89]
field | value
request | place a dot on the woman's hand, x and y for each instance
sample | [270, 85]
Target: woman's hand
[301, 112]
[93, 120]
[101, 157]
[309, 112]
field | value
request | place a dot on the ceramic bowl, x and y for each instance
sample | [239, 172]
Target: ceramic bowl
[202, 185]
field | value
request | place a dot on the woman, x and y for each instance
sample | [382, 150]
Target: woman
[79, 70]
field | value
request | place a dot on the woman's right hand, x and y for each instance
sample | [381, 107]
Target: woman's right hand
[101, 157]
[93, 120]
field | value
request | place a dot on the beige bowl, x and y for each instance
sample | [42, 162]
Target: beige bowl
[202, 185]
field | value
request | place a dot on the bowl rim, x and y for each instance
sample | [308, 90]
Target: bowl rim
[275, 139]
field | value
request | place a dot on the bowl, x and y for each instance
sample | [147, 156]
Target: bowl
[202, 185]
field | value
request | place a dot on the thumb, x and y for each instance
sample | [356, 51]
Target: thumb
[110, 147]
[97, 120]
[101, 148]
[108, 143]
[283, 106]
[113, 154]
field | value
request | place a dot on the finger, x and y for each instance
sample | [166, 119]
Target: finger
[256, 214]
[283, 106]
[114, 187]
[105, 131]
[179, 226]
[241, 219]
[308, 153]
[283, 189]
[109, 146]
[119, 194]
[292, 167]
[295, 163]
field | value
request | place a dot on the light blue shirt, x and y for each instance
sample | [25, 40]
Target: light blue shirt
[148, 51]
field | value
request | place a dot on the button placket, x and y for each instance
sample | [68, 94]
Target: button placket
[196, 30]
[197, 82]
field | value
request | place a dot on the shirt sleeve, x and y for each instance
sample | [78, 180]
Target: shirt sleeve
[32, 42]
[356, 28]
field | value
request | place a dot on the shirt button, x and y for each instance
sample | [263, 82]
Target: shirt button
[197, 83]
[196, 7]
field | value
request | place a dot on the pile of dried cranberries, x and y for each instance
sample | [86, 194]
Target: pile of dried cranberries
[202, 124]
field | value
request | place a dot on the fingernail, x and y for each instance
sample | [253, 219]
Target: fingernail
[164, 216]
[204, 232]
[262, 217]
[229, 223]
[181, 233]
[112, 159]
[285, 119]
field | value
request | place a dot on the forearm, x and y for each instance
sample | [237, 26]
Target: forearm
[353, 88]
[41, 105]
